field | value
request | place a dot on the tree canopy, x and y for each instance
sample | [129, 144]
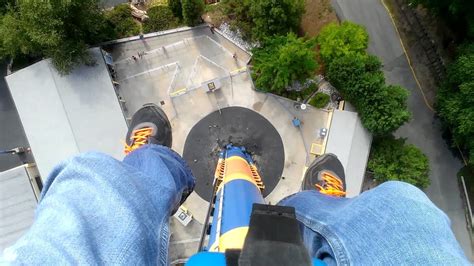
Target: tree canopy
[359, 78]
[192, 11]
[281, 60]
[61, 30]
[393, 159]
[336, 41]
[455, 100]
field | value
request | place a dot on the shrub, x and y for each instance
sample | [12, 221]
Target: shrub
[176, 8]
[192, 11]
[319, 100]
[360, 80]
[122, 21]
[161, 18]
[282, 60]
[271, 17]
[393, 159]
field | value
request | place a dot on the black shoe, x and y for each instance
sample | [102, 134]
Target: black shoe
[150, 125]
[326, 175]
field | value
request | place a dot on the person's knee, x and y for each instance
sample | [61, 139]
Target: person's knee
[398, 189]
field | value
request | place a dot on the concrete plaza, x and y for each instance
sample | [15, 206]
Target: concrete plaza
[172, 72]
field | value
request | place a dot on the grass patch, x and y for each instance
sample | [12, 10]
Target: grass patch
[319, 100]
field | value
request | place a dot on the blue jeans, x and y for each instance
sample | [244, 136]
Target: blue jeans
[97, 210]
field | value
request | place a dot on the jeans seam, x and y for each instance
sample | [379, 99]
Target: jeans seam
[340, 253]
[164, 242]
[175, 155]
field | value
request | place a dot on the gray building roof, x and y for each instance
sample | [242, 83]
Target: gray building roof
[350, 141]
[65, 115]
[17, 205]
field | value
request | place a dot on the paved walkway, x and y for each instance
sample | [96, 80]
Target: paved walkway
[424, 129]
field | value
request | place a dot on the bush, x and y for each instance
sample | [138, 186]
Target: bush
[455, 100]
[122, 21]
[257, 20]
[271, 17]
[176, 8]
[393, 159]
[161, 18]
[319, 100]
[192, 11]
[282, 60]
[361, 81]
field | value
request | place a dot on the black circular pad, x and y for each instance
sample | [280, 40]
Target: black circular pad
[241, 127]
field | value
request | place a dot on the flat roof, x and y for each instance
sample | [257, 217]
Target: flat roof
[18, 203]
[350, 142]
[66, 115]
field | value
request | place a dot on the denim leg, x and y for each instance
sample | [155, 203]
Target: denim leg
[392, 224]
[97, 210]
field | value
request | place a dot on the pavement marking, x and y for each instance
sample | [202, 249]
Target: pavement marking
[166, 67]
[406, 55]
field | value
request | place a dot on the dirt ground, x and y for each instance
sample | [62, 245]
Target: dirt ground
[439, 34]
[318, 14]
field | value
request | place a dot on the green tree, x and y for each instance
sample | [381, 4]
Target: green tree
[122, 22]
[359, 78]
[176, 8]
[393, 159]
[281, 60]
[61, 30]
[271, 17]
[336, 41]
[455, 100]
[161, 18]
[192, 11]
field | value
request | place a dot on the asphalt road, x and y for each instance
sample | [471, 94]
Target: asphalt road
[424, 129]
[11, 130]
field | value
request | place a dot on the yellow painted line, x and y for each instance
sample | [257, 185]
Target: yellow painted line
[238, 70]
[406, 55]
[174, 93]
